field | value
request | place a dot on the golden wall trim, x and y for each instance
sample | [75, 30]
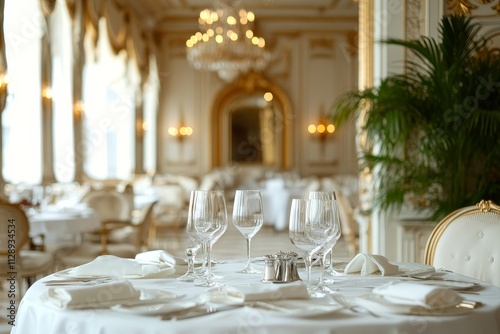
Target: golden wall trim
[465, 7]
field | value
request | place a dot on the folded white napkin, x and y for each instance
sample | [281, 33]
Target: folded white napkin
[369, 263]
[90, 296]
[427, 296]
[157, 256]
[110, 265]
[256, 292]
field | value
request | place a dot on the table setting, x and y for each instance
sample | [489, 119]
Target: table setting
[293, 291]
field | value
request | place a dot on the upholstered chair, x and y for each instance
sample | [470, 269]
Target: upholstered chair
[466, 242]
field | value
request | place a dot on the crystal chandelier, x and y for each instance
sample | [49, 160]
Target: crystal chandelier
[226, 43]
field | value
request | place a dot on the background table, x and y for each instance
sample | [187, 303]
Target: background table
[64, 226]
[34, 317]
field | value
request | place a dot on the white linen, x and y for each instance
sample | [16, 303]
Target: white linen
[240, 293]
[410, 293]
[90, 296]
[110, 265]
[34, 317]
[367, 264]
[157, 256]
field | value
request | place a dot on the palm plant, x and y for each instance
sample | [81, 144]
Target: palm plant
[432, 133]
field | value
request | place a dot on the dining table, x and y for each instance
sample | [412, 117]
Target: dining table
[168, 305]
[62, 225]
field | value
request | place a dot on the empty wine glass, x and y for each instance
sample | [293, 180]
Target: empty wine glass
[326, 249]
[207, 217]
[311, 225]
[190, 275]
[216, 237]
[248, 218]
[330, 271]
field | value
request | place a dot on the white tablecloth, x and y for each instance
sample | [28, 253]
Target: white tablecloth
[62, 227]
[276, 203]
[34, 317]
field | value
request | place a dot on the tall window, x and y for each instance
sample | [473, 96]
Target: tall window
[110, 83]
[62, 65]
[23, 27]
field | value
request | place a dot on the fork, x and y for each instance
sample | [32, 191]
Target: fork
[342, 301]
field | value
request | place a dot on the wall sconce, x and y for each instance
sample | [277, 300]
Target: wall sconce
[180, 132]
[78, 109]
[322, 129]
[4, 81]
[47, 93]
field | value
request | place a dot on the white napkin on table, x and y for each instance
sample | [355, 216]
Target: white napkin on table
[110, 265]
[427, 296]
[90, 296]
[240, 293]
[367, 264]
[160, 257]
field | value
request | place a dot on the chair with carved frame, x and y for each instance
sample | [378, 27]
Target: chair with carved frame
[466, 242]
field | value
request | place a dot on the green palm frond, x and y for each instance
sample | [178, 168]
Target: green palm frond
[432, 132]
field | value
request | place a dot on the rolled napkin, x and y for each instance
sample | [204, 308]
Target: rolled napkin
[369, 263]
[240, 293]
[110, 265]
[90, 296]
[417, 294]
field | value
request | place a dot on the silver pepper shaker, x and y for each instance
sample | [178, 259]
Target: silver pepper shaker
[269, 269]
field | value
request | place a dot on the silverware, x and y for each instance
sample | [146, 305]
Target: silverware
[197, 311]
[470, 304]
[89, 281]
[342, 301]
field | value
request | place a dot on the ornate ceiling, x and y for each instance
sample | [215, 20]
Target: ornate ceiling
[171, 15]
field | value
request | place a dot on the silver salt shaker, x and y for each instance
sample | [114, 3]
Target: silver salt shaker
[269, 269]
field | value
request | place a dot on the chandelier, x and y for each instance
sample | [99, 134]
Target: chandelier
[226, 42]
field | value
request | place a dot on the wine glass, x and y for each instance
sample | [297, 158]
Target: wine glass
[216, 237]
[326, 249]
[311, 225]
[207, 217]
[194, 244]
[248, 218]
[330, 271]
[318, 195]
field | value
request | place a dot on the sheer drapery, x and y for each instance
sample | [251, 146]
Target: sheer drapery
[116, 72]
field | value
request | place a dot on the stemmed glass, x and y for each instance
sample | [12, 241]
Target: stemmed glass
[330, 271]
[248, 218]
[194, 244]
[311, 226]
[207, 217]
[327, 248]
[216, 237]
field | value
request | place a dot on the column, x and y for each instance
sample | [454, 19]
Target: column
[48, 176]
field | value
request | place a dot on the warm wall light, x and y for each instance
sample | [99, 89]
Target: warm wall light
[322, 129]
[180, 132]
[4, 80]
[47, 93]
[78, 108]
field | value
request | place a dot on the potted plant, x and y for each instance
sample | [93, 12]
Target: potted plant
[432, 133]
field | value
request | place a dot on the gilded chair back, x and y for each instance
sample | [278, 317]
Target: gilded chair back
[145, 226]
[14, 233]
[466, 242]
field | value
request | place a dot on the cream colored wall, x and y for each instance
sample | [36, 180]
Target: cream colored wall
[312, 64]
